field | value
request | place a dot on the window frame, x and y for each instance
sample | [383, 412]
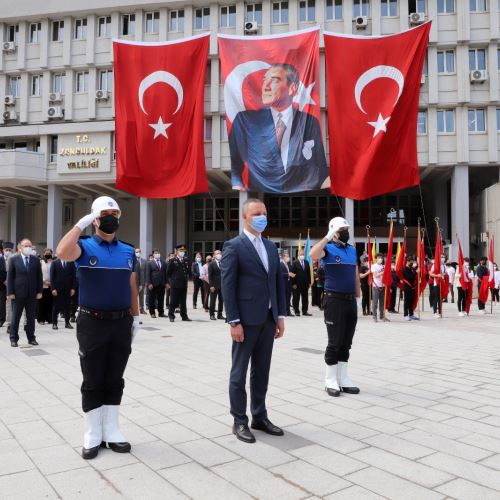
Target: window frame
[445, 62]
[109, 75]
[154, 20]
[59, 23]
[253, 11]
[422, 112]
[333, 9]
[446, 132]
[37, 31]
[361, 4]
[445, 12]
[227, 15]
[203, 17]
[475, 111]
[207, 129]
[62, 77]
[307, 11]
[17, 79]
[82, 27]
[476, 11]
[12, 29]
[53, 149]
[129, 22]
[107, 27]
[85, 75]
[280, 10]
[388, 3]
[36, 78]
[475, 50]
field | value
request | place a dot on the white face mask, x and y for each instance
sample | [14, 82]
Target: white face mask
[301, 257]
[442, 260]
[287, 259]
[218, 256]
[379, 261]
[27, 251]
[7, 253]
[138, 254]
[157, 256]
[181, 254]
[415, 264]
[198, 259]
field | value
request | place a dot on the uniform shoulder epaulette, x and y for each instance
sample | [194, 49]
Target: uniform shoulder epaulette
[84, 237]
[127, 243]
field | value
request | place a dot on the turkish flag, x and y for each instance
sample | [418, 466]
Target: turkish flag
[159, 101]
[272, 103]
[373, 86]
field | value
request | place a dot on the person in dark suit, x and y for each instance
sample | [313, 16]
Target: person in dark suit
[156, 280]
[24, 287]
[300, 284]
[196, 270]
[287, 275]
[178, 276]
[215, 286]
[171, 256]
[140, 273]
[62, 285]
[3, 287]
[254, 297]
[282, 146]
[8, 252]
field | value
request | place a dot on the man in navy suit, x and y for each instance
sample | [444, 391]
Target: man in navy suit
[282, 146]
[254, 295]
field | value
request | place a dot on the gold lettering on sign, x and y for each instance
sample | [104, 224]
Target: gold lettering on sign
[94, 163]
[100, 150]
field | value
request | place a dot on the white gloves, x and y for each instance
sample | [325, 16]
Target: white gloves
[85, 221]
[330, 234]
[135, 327]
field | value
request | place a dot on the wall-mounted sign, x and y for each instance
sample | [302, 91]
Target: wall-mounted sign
[84, 153]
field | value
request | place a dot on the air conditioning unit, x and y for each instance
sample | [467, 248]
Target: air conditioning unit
[478, 76]
[55, 112]
[55, 97]
[361, 22]
[101, 95]
[9, 100]
[422, 80]
[251, 27]
[9, 47]
[417, 18]
[9, 116]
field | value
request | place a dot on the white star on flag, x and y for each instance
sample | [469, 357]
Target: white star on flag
[380, 124]
[303, 96]
[160, 128]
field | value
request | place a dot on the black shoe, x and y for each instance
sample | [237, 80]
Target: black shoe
[350, 390]
[1, 323]
[172, 320]
[117, 447]
[162, 315]
[90, 453]
[55, 327]
[290, 314]
[243, 433]
[219, 316]
[297, 313]
[332, 392]
[73, 319]
[13, 343]
[8, 329]
[194, 306]
[212, 316]
[68, 326]
[267, 426]
[306, 314]
[186, 319]
[33, 342]
[153, 315]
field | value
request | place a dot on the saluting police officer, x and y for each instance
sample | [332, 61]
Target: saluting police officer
[178, 270]
[342, 287]
[107, 322]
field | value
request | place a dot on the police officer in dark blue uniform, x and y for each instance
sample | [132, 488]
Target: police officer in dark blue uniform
[107, 322]
[342, 287]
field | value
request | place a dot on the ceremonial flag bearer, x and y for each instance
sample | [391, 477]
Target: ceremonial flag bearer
[107, 322]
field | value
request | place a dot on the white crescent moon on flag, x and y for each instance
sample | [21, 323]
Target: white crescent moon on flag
[373, 74]
[161, 77]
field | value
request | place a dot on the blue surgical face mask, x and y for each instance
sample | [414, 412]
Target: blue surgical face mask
[259, 223]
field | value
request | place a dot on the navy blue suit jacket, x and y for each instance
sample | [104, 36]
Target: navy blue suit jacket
[21, 282]
[247, 288]
[253, 141]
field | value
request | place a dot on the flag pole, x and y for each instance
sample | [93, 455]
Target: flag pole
[423, 259]
[385, 287]
[438, 235]
[493, 269]
[369, 270]
[419, 270]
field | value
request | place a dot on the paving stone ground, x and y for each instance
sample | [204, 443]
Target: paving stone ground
[425, 426]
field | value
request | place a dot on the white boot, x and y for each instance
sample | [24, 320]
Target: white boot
[331, 384]
[345, 382]
[110, 427]
[93, 428]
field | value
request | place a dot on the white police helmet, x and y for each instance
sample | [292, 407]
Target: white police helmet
[104, 203]
[337, 222]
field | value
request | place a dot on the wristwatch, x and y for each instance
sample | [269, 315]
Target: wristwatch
[234, 324]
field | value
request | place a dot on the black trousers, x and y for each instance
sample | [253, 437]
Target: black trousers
[435, 299]
[168, 294]
[300, 294]
[178, 298]
[409, 295]
[462, 299]
[206, 289]
[62, 304]
[257, 347]
[18, 305]
[288, 295]
[216, 296]
[365, 298]
[452, 292]
[495, 296]
[3, 303]
[156, 297]
[74, 303]
[394, 296]
[341, 317]
[44, 312]
[104, 347]
[198, 288]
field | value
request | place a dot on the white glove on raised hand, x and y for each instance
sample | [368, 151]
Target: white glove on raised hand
[85, 221]
[330, 234]
[135, 327]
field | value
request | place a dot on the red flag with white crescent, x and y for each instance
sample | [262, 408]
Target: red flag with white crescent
[159, 105]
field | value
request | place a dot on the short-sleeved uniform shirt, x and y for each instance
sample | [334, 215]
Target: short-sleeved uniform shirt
[104, 270]
[340, 264]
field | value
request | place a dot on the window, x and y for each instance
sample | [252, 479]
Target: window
[57, 31]
[333, 10]
[361, 8]
[209, 215]
[81, 82]
[254, 13]
[280, 12]
[389, 8]
[202, 18]
[207, 125]
[422, 122]
[446, 6]
[106, 80]
[128, 24]
[68, 214]
[477, 5]
[498, 120]
[307, 11]
[176, 20]
[104, 27]
[80, 31]
[477, 59]
[14, 85]
[36, 85]
[152, 22]
[416, 6]
[53, 148]
[228, 16]
[223, 129]
[446, 121]
[34, 33]
[446, 61]
[58, 81]
[476, 120]
[12, 32]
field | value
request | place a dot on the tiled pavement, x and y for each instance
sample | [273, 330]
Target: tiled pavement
[425, 426]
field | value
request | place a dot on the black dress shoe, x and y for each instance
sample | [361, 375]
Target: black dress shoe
[1, 323]
[55, 327]
[212, 316]
[219, 316]
[90, 453]
[117, 447]
[153, 315]
[290, 314]
[33, 342]
[186, 319]
[162, 315]
[350, 390]
[73, 319]
[297, 313]
[194, 306]
[243, 433]
[306, 314]
[332, 392]
[13, 344]
[69, 326]
[172, 320]
[267, 426]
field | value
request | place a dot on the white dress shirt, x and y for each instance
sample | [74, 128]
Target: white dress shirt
[287, 119]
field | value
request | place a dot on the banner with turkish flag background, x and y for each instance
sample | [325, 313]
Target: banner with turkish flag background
[373, 87]
[272, 102]
[159, 100]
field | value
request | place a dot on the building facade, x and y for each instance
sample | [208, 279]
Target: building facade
[57, 139]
